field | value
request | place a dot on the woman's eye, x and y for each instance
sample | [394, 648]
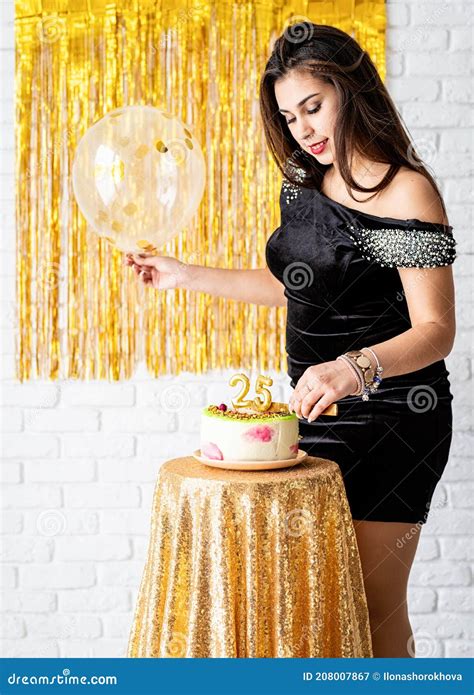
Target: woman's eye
[315, 110]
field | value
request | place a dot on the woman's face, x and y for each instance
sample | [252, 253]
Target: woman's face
[309, 107]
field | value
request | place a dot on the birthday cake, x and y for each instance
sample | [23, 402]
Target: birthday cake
[248, 434]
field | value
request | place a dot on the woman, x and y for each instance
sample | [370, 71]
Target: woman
[367, 283]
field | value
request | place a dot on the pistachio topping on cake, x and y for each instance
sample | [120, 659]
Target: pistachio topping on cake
[276, 410]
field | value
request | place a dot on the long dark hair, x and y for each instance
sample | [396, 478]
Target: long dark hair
[368, 123]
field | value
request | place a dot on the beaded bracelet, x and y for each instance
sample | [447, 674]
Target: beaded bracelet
[356, 372]
[377, 379]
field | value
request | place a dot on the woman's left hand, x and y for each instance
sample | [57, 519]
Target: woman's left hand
[321, 386]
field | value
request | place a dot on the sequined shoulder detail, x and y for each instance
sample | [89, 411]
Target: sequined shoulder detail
[406, 248]
[291, 191]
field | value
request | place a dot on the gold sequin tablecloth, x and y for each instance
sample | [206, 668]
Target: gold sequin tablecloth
[251, 564]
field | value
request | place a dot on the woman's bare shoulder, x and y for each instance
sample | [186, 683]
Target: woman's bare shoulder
[411, 195]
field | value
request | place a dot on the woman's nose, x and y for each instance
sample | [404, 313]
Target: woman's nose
[306, 136]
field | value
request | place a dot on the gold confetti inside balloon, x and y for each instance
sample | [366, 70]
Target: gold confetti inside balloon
[138, 177]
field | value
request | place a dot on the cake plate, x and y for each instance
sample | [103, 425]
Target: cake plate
[251, 465]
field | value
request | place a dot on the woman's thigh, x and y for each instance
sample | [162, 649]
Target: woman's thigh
[387, 551]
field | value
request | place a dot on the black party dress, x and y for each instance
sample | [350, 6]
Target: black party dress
[339, 267]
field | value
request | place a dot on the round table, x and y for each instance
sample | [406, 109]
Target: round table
[251, 564]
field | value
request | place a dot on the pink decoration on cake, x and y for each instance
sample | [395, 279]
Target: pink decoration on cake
[211, 451]
[294, 448]
[260, 433]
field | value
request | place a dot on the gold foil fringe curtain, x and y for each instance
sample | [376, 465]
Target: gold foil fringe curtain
[81, 313]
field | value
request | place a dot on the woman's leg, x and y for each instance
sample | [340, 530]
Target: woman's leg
[387, 550]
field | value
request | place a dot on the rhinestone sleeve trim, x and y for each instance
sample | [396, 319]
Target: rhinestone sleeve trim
[292, 191]
[405, 248]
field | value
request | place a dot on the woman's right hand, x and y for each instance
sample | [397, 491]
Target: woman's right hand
[160, 272]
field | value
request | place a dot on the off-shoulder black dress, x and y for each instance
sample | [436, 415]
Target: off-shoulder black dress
[339, 267]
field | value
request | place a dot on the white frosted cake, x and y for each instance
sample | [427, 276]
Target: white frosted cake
[246, 434]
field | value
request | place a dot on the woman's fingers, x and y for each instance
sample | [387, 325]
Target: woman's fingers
[305, 407]
[323, 403]
[303, 399]
[161, 272]
[144, 260]
[142, 273]
[311, 403]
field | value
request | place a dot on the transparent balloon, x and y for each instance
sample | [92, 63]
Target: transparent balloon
[138, 177]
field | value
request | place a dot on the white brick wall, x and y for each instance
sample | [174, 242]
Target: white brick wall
[80, 463]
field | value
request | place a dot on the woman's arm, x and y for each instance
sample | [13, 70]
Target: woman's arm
[430, 297]
[252, 286]
[429, 292]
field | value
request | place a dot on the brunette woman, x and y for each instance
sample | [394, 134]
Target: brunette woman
[362, 261]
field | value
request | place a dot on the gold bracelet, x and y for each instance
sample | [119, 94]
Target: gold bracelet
[371, 377]
[363, 363]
